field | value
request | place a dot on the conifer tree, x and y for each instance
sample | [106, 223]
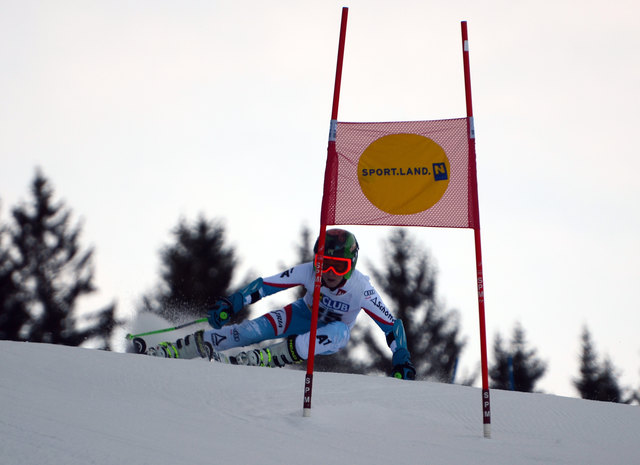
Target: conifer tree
[196, 270]
[587, 383]
[527, 367]
[13, 312]
[54, 272]
[500, 370]
[597, 382]
[408, 282]
[609, 388]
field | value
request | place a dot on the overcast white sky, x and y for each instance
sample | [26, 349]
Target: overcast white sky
[144, 112]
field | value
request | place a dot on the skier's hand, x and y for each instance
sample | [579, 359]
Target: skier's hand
[224, 309]
[221, 312]
[402, 366]
[404, 371]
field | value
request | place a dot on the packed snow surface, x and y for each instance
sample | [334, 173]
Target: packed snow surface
[72, 406]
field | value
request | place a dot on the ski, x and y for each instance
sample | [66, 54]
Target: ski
[140, 347]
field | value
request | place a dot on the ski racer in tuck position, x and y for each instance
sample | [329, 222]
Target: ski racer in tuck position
[344, 292]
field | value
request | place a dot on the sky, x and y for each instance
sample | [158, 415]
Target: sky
[76, 406]
[145, 113]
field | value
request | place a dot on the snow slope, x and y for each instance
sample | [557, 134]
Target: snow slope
[71, 406]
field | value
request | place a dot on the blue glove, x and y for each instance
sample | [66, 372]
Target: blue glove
[402, 366]
[224, 309]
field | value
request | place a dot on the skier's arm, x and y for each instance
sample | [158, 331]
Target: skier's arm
[226, 307]
[396, 338]
[402, 367]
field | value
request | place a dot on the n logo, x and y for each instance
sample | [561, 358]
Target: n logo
[440, 172]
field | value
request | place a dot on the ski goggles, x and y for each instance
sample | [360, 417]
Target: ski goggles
[339, 266]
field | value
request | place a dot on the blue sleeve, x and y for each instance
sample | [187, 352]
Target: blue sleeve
[260, 287]
[253, 292]
[396, 337]
[249, 294]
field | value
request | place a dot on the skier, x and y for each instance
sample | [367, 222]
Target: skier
[344, 292]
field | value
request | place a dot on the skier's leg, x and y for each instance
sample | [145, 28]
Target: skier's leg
[329, 340]
[330, 337]
[292, 319]
[239, 335]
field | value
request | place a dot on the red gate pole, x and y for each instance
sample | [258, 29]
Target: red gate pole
[473, 190]
[329, 181]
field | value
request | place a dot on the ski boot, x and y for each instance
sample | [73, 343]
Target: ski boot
[278, 355]
[191, 346]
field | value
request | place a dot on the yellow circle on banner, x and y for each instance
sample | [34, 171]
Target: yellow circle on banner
[403, 174]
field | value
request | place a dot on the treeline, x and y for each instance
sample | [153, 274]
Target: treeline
[44, 271]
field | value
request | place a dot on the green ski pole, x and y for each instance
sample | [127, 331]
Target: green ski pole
[141, 346]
